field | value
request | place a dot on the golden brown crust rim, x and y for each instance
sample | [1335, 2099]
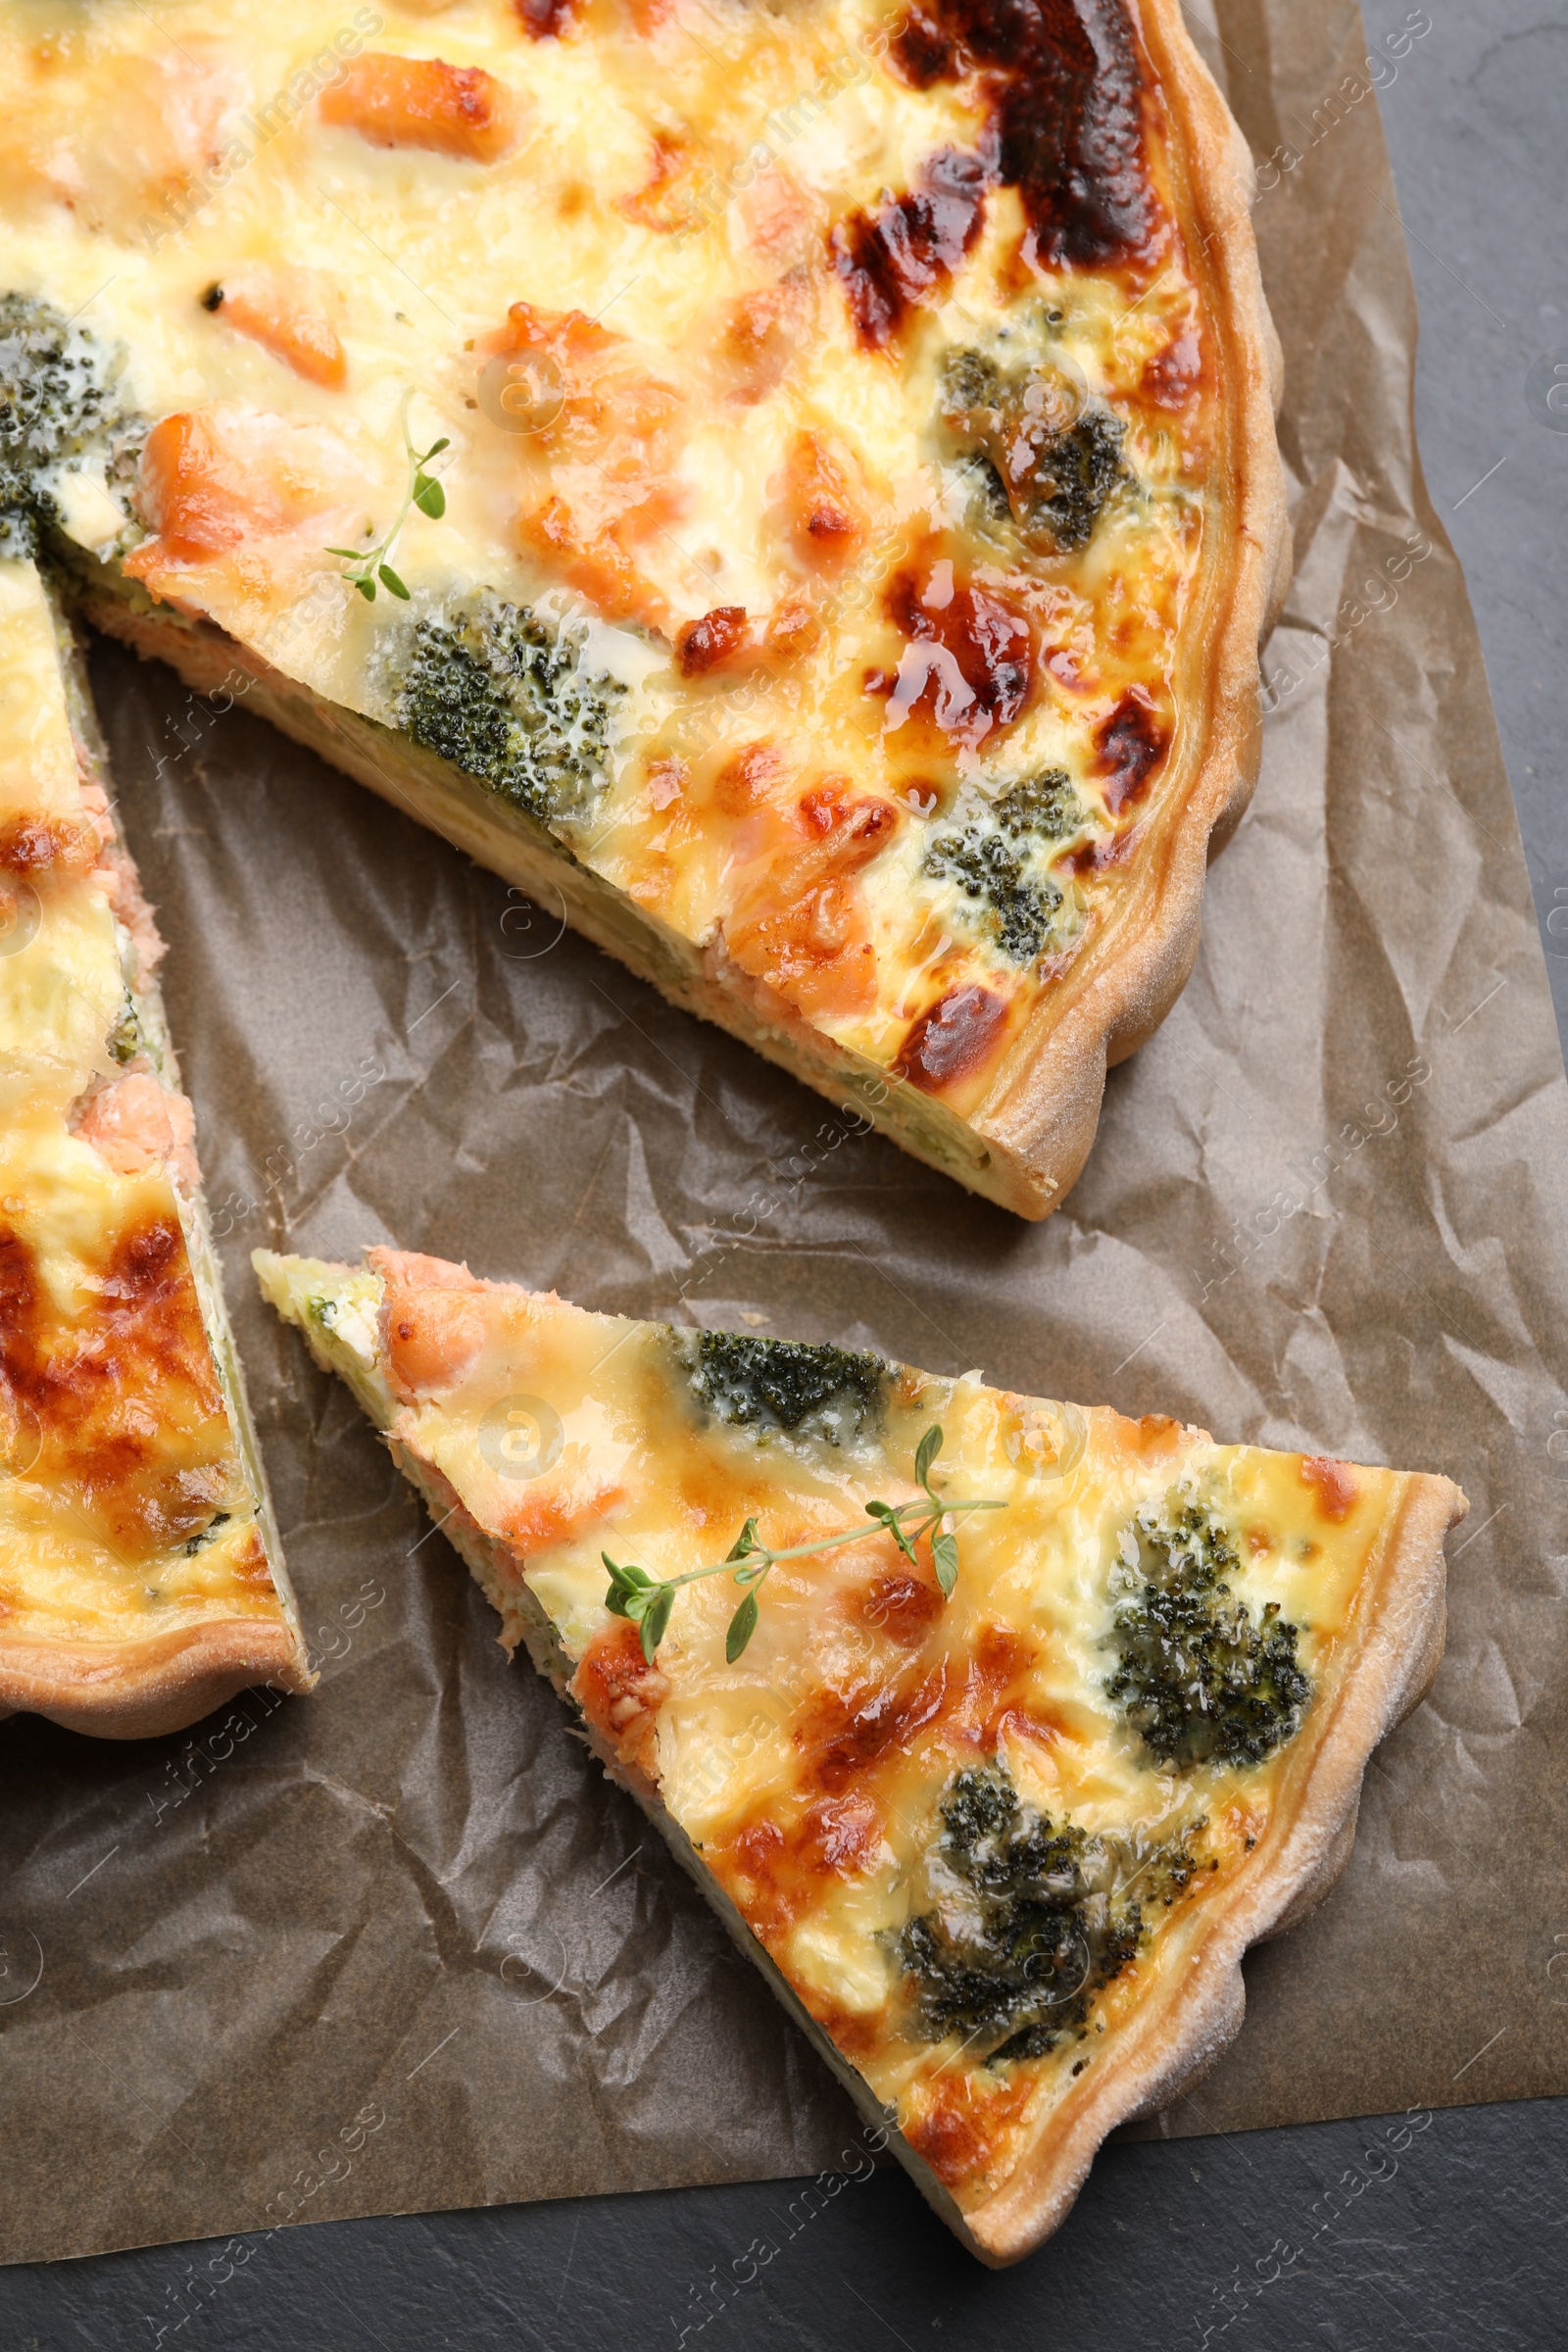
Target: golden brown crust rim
[1042, 1114]
[142, 1689]
[1189, 2018]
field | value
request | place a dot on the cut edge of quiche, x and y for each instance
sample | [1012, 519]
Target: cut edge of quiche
[142, 1582]
[1000, 1855]
[999, 1081]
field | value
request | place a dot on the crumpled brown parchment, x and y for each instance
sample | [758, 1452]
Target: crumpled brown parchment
[399, 1945]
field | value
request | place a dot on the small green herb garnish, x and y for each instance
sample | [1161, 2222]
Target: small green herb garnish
[647, 1601]
[367, 565]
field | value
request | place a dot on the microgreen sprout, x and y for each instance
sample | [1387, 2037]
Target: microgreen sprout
[647, 1601]
[365, 565]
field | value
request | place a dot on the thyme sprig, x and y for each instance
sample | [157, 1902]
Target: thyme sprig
[365, 565]
[647, 1601]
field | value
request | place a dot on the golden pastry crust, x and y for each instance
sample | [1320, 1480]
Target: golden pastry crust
[142, 1689]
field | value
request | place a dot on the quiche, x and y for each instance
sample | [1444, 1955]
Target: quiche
[140, 1577]
[795, 490]
[994, 1729]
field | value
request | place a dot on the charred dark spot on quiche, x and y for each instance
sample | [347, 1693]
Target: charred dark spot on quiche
[839, 1833]
[702, 645]
[954, 1040]
[1067, 97]
[902, 1604]
[1174, 374]
[49, 844]
[1131, 745]
[968, 666]
[842, 1739]
[1099, 856]
[546, 20]
[902, 255]
[776, 1859]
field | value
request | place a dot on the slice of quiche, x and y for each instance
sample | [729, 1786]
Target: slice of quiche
[140, 1577]
[795, 489]
[994, 1729]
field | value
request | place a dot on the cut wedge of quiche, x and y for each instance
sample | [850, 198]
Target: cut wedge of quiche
[140, 1577]
[796, 490]
[994, 1729]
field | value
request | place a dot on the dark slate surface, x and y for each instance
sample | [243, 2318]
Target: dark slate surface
[1445, 2233]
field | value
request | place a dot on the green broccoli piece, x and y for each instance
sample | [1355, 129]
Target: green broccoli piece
[1052, 478]
[769, 1385]
[125, 1038]
[971, 382]
[1015, 909]
[503, 696]
[57, 399]
[1202, 1681]
[1045, 807]
[206, 1535]
[1031, 1919]
[1073, 473]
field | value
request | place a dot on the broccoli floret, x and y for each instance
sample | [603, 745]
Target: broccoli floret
[1045, 807]
[57, 399]
[1030, 1919]
[1201, 1679]
[502, 694]
[206, 1535]
[1015, 909]
[969, 381]
[125, 1038]
[996, 862]
[767, 1385]
[1072, 475]
[1054, 469]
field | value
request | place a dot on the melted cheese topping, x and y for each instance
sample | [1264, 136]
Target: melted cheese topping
[684, 288]
[809, 1773]
[126, 1506]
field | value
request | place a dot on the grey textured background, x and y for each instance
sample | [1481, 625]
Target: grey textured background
[1448, 2232]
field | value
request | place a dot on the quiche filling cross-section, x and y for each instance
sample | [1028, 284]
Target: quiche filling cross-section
[848, 502]
[140, 1579]
[993, 1748]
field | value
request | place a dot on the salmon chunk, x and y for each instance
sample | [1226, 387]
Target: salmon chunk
[423, 102]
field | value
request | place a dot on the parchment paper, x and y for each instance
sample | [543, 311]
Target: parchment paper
[399, 1945]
